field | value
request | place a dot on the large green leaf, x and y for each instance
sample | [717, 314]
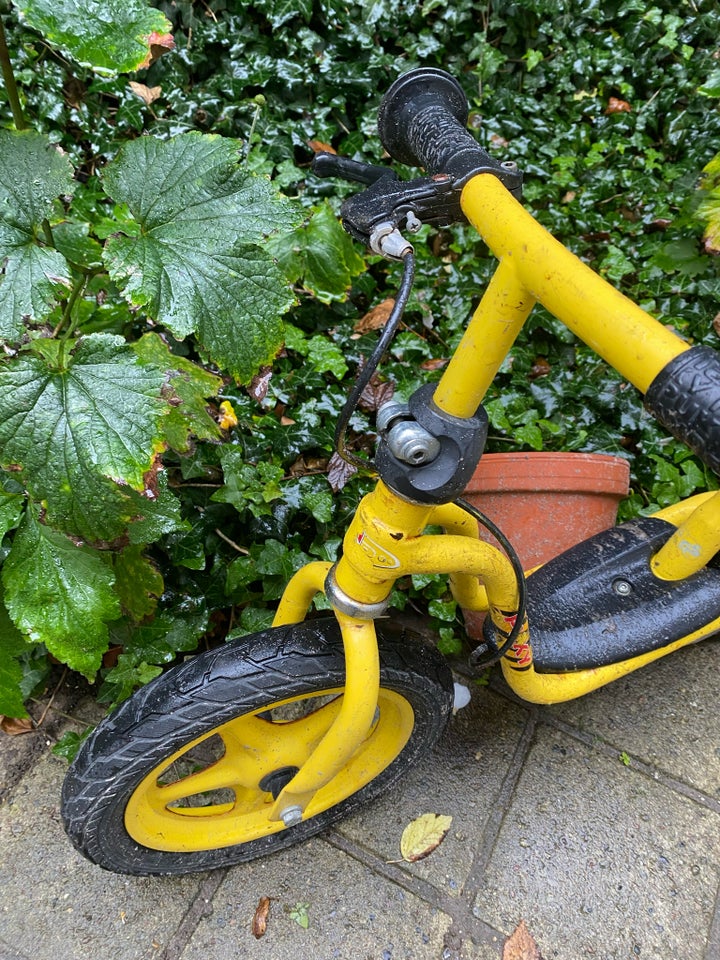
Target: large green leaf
[111, 36]
[83, 438]
[33, 174]
[60, 594]
[193, 256]
[12, 644]
[321, 255]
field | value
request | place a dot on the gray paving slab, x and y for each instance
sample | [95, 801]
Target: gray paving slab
[602, 861]
[462, 779]
[352, 912]
[666, 714]
[57, 906]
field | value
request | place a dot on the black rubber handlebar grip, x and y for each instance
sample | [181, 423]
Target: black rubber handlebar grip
[422, 121]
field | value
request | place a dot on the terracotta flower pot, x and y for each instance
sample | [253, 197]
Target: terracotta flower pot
[546, 503]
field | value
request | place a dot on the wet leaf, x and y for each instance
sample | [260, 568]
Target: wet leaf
[198, 263]
[260, 919]
[376, 393]
[110, 36]
[339, 472]
[423, 835]
[259, 384]
[520, 945]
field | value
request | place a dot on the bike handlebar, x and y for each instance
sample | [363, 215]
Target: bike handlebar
[422, 121]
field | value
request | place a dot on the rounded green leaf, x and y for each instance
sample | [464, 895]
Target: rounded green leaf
[196, 263]
[73, 435]
[110, 36]
[60, 594]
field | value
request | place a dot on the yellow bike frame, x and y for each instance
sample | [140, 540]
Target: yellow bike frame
[387, 540]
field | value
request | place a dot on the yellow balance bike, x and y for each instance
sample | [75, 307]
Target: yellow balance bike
[268, 739]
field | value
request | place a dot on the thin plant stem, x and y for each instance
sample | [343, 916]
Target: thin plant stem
[10, 85]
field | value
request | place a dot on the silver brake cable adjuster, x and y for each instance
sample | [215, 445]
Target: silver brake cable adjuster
[387, 241]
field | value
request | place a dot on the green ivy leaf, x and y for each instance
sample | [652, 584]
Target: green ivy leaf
[110, 36]
[196, 263]
[247, 484]
[33, 174]
[320, 255]
[279, 12]
[60, 594]
[73, 436]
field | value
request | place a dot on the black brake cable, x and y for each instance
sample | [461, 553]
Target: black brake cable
[488, 652]
[371, 365]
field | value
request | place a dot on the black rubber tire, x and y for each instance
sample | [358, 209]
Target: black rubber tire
[191, 700]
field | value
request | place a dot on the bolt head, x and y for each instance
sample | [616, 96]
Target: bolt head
[291, 815]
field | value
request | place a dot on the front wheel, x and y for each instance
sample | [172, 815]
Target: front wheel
[181, 777]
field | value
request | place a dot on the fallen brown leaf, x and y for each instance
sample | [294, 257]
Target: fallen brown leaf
[339, 472]
[520, 945]
[14, 726]
[147, 94]
[423, 835]
[540, 368]
[437, 364]
[317, 146]
[716, 324]
[376, 393]
[259, 922]
[615, 105]
[259, 384]
[376, 318]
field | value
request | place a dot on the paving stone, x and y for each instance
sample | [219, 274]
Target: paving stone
[602, 861]
[665, 714]
[352, 913]
[462, 779]
[57, 906]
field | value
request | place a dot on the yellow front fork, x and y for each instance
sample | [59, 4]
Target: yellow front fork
[385, 541]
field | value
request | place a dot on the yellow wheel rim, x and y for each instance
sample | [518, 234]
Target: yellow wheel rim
[209, 795]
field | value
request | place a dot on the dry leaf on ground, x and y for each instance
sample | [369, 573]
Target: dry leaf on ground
[423, 835]
[14, 726]
[520, 945]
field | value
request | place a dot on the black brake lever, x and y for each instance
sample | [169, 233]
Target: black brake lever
[331, 165]
[388, 203]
